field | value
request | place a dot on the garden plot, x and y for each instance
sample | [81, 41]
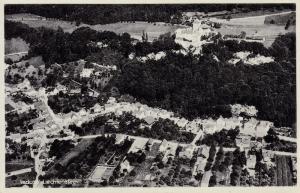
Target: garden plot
[283, 171]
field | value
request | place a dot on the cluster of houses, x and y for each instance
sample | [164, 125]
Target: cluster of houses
[151, 56]
[94, 76]
[248, 59]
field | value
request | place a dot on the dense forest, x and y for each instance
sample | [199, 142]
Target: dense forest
[204, 87]
[58, 46]
[104, 14]
[191, 86]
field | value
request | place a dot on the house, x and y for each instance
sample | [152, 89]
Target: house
[243, 141]
[125, 166]
[15, 137]
[149, 177]
[168, 154]
[163, 146]
[149, 144]
[232, 123]
[209, 126]
[182, 122]
[220, 123]
[169, 150]
[249, 127]
[75, 91]
[267, 155]
[193, 126]
[203, 151]
[187, 151]
[255, 144]
[150, 120]
[263, 128]
[137, 145]
[251, 161]
[199, 165]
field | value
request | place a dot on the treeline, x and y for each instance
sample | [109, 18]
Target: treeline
[104, 14]
[130, 125]
[188, 85]
[60, 147]
[60, 47]
[165, 42]
[225, 138]
[204, 87]
[65, 103]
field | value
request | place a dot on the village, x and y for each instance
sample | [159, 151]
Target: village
[161, 157]
[68, 125]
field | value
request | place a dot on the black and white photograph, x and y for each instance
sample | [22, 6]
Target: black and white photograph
[149, 95]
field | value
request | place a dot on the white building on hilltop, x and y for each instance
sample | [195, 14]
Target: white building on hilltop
[193, 37]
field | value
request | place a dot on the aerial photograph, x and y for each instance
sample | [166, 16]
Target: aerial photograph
[150, 95]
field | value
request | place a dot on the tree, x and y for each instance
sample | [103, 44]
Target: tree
[141, 158]
[212, 181]
[160, 165]
[271, 137]
[9, 61]
[78, 23]
[287, 25]
[13, 177]
[104, 183]
[132, 173]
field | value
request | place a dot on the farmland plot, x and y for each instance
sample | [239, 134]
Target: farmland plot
[283, 171]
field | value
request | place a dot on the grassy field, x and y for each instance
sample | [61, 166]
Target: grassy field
[16, 45]
[255, 13]
[250, 20]
[281, 19]
[283, 171]
[13, 166]
[134, 29]
[253, 26]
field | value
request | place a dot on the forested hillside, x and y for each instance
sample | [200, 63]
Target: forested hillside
[188, 85]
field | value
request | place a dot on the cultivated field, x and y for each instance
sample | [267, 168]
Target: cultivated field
[283, 171]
